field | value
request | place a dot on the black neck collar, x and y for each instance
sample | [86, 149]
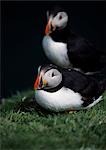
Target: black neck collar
[61, 35]
[55, 89]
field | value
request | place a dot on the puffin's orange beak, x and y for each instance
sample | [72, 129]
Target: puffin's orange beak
[47, 30]
[36, 84]
[49, 27]
[39, 83]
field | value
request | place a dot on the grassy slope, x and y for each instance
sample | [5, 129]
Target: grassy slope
[35, 130]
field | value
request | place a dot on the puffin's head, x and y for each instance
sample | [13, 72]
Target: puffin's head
[48, 77]
[57, 19]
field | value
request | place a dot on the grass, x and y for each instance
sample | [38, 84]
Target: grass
[25, 126]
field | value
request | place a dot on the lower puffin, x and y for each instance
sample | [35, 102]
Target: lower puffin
[65, 89]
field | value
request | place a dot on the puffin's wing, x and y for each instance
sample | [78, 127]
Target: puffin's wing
[100, 76]
[82, 54]
[87, 86]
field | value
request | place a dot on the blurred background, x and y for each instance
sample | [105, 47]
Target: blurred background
[22, 30]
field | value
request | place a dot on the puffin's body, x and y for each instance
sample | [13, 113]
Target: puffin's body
[56, 52]
[66, 49]
[66, 90]
[62, 100]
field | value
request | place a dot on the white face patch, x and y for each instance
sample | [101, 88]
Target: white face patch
[60, 20]
[53, 78]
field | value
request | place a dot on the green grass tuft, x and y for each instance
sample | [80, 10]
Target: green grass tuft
[24, 125]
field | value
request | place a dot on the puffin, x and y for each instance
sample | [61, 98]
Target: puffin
[66, 49]
[60, 89]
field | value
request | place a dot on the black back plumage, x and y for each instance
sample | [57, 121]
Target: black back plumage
[84, 55]
[86, 85]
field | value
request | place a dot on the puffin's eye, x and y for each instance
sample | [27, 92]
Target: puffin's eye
[53, 74]
[60, 17]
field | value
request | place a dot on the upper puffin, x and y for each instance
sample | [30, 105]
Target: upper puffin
[67, 49]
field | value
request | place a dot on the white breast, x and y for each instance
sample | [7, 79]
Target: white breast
[61, 100]
[56, 51]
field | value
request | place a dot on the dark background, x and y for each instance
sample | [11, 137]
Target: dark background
[22, 29]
